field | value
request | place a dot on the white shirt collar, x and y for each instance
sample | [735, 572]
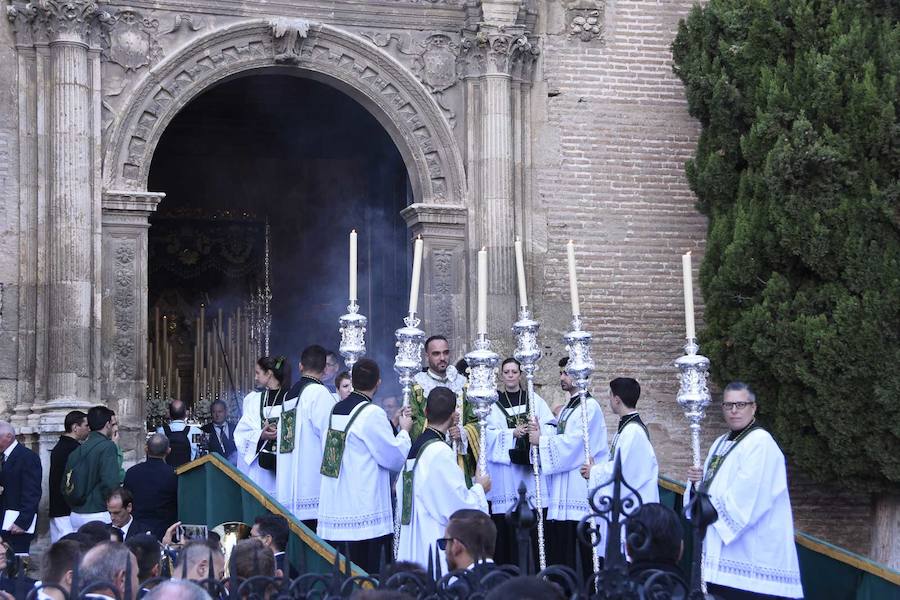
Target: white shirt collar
[126, 526]
[9, 450]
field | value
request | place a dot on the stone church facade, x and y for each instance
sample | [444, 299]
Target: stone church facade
[549, 121]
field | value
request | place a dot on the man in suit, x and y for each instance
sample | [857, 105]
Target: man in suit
[20, 478]
[221, 432]
[77, 431]
[120, 504]
[273, 531]
[154, 488]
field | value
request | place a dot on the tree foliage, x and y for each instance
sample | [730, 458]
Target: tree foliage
[798, 170]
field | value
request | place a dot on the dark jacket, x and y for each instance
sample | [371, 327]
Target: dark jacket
[101, 462]
[58, 457]
[214, 445]
[21, 481]
[154, 485]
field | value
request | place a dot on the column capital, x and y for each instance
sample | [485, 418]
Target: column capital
[42, 21]
[127, 203]
[498, 50]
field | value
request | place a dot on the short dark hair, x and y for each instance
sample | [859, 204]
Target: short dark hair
[99, 416]
[313, 358]
[440, 404]
[275, 526]
[62, 556]
[563, 362]
[435, 338]
[158, 445]
[218, 403]
[84, 541]
[250, 558]
[196, 551]
[365, 375]
[627, 389]
[96, 532]
[123, 494]
[474, 530]
[740, 386]
[654, 534]
[146, 550]
[73, 418]
[510, 360]
[342, 376]
[462, 367]
[177, 409]
[279, 367]
[525, 587]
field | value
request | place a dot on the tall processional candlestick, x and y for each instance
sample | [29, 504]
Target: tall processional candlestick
[528, 353]
[353, 324]
[580, 367]
[482, 361]
[410, 339]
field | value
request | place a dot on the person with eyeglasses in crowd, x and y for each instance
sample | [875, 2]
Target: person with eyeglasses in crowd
[469, 541]
[749, 550]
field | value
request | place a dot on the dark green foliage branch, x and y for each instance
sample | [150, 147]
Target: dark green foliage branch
[798, 170]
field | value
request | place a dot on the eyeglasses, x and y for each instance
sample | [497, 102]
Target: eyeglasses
[735, 406]
[442, 543]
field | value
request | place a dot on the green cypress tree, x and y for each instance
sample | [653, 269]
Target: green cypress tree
[798, 170]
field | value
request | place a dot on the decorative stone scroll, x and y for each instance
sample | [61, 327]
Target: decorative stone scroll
[509, 51]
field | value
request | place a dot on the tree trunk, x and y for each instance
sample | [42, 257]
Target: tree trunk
[886, 532]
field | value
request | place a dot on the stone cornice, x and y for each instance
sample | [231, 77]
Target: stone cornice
[419, 213]
[131, 201]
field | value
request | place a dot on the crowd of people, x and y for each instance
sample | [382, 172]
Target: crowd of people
[352, 472]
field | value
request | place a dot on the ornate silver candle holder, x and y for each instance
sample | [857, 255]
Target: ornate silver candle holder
[353, 335]
[580, 367]
[693, 395]
[482, 390]
[528, 353]
[410, 342]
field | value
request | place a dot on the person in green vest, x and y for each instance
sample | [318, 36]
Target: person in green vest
[93, 470]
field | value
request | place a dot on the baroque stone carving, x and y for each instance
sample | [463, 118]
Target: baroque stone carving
[435, 65]
[131, 41]
[123, 310]
[52, 20]
[498, 50]
[189, 22]
[584, 20]
[442, 264]
[286, 34]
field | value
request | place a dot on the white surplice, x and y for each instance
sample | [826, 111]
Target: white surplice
[639, 466]
[562, 455]
[439, 490]
[246, 438]
[506, 476]
[751, 545]
[298, 477]
[356, 505]
[455, 381]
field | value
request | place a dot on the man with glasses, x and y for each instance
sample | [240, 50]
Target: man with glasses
[469, 541]
[332, 367]
[749, 550]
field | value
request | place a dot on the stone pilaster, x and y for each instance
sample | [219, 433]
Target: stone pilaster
[444, 287]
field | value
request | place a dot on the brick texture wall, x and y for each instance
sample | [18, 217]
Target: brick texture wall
[614, 134]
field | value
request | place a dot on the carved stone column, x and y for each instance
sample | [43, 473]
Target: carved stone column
[444, 285]
[124, 309]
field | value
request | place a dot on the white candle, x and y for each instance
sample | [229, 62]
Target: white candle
[353, 266]
[688, 278]
[573, 281]
[520, 274]
[482, 291]
[416, 270]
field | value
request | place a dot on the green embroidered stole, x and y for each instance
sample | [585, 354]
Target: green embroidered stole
[336, 442]
[408, 474]
[715, 463]
[289, 417]
[571, 404]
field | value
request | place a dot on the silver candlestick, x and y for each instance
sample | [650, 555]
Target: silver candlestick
[580, 367]
[353, 335]
[482, 390]
[410, 342]
[528, 353]
[693, 395]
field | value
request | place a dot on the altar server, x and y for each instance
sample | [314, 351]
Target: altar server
[257, 430]
[302, 427]
[359, 453]
[508, 455]
[562, 455]
[430, 487]
[749, 551]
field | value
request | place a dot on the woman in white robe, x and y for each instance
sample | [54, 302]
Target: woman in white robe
[257, 429]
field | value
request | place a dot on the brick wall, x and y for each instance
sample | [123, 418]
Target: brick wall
[613, 134]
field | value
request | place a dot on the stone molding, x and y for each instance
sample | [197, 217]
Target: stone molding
[53, 21]
[386, 88]
[138, 204]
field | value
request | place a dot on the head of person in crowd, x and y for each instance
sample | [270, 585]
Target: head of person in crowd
[440, 407]
[147, 552]
[565, 380]
[272, 372]
[390, 404]
[525, 588]
[511, 374]
[654, 536]
[96, 532]
[250, 558]
[194, 561]
[402, 566]
[366, 376]
[59, 564]
[177, 410]
[7, 435]
[624, 393]
[343, 385]
[437, 353]
[84, 542]
[110, 564]
[314, 363]
[272, 531]
[470, 538]
[102, 420]
[76, 425]
[158, 446]
[332, 366]
[119, 504]
[218, 412]
[177, 589]
[738, 405]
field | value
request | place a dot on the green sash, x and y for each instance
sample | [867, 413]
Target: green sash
[289, 419]
[406, 514]
[717, 459]
[336, 441]
[561, 424]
